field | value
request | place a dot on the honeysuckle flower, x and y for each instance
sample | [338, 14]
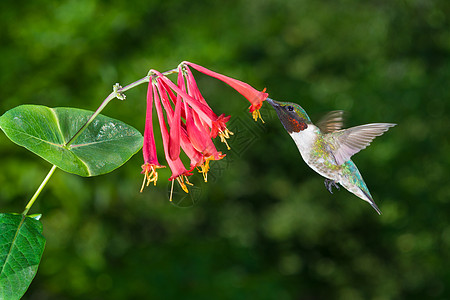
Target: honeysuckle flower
[219, 127]
[255, 97]
[187, 123]
[191, 84]
[175, 127]
[195, 139]
[204, 112]
[149, 148]
[179, 172]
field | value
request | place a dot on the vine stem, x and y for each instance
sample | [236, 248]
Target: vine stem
[39, 190]
[116, 93]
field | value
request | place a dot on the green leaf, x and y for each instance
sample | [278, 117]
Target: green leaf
[105, 145]
[21, 248]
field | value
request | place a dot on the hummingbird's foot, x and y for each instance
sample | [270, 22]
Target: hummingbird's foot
[329, 184]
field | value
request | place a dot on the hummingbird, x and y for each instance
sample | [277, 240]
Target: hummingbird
[327, 148]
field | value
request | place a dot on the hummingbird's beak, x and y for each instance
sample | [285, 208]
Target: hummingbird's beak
[277, 106]
[272, 102]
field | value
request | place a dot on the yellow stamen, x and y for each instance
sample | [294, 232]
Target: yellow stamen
[150, 176]
[183, 180]
[225, 135]
[143, 183]
[204, 168]
[257, 114]
[171, 192]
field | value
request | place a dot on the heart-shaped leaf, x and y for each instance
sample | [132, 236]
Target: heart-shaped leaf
[21, 248]
[105, 145]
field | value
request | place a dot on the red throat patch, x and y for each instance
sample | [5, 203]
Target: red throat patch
[297, 126]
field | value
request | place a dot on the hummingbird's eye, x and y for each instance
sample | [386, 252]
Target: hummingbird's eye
[290, 108]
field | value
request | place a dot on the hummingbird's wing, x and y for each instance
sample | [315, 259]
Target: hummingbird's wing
[332, 121]
[347, 142]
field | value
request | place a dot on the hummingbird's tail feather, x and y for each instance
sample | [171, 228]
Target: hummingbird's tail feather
[371, 202]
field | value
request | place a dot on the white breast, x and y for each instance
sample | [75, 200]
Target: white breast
[305, 140]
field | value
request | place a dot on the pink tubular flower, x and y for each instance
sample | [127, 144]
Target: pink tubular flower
[149, 148]
[219, 127]
[196, 133]
[187, 123]
[254, 96]
[204, 112]
[175, 127]
[179, 172]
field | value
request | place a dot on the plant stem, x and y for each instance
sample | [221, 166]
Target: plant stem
[117, 93]
[41, 187]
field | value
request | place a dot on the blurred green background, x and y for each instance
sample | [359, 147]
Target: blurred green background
[264, 226]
